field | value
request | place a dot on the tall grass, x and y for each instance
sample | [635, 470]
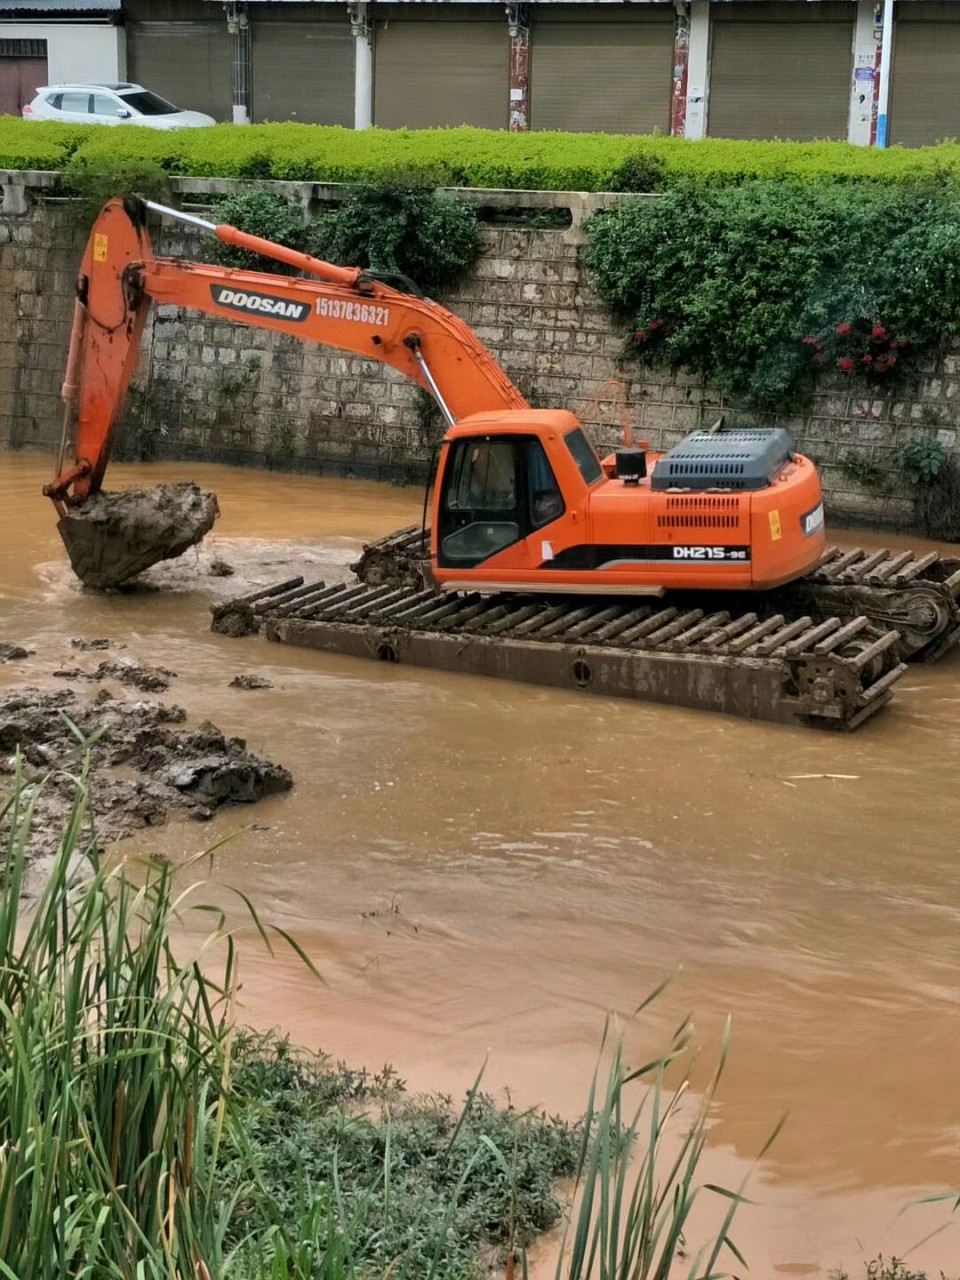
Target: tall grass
[113, 1057]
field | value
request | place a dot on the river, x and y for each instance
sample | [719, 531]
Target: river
[484, 871]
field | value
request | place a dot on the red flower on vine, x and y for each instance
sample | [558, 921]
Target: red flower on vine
[844, 329]
[878, 332]
[868, 359]
[639, 336]
[845, 365]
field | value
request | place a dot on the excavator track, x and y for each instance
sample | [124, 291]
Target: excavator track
[918, 595]
[792, 671]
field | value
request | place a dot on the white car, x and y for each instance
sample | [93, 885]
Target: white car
[117, 103]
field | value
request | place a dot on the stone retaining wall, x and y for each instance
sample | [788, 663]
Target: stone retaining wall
[212, 390]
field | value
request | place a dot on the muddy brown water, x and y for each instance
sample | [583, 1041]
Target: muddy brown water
[485, 871]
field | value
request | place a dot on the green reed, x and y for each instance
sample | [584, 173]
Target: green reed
[639, 1177]
[113, 1057]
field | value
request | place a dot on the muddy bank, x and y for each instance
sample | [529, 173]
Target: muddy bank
[143, 771]
[112, 537]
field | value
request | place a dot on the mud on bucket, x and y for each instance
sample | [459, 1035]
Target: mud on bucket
[111, 537]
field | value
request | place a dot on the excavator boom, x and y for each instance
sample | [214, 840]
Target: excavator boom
[340, 307]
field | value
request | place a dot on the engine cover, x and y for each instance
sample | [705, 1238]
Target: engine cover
[749, 458]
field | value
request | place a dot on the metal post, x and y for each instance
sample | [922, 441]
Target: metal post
[886, 60]
[238, 27]
[518, 28]
[362, 30]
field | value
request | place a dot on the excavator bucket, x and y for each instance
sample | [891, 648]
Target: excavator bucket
[111, 537]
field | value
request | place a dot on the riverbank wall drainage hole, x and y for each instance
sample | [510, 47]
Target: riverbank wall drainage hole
[386, 652]
[582, 675]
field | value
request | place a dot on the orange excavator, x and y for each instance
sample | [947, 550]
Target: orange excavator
[521, 500]
[527, 520]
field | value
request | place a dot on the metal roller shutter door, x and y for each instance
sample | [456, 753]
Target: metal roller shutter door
[924, 97]
[188, 62]
[610, 77]
[780, 80]
[441, 73]
[23, 69]
[303, 71]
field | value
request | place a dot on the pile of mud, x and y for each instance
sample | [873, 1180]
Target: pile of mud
[143, 772]
[111, 537]
[137, 675]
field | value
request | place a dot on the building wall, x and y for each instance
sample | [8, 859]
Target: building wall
[785, 68]
[208, 389]
[75, 51]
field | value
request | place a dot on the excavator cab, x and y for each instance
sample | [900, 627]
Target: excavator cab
[523, 502]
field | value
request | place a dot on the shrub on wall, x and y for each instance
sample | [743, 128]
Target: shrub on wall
[397, 226]
[96, 181]
[761, 286]
[260, 213]
[465, 156]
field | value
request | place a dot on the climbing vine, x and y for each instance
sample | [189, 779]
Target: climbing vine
[762, 287]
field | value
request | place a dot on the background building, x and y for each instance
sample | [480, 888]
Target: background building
[52, 41]
[798, 69]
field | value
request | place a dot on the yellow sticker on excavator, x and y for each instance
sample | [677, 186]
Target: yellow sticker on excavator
[775, 530]
[100, 242]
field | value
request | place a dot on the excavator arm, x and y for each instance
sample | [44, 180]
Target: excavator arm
[342, 307]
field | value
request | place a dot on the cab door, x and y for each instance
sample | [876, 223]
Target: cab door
[496, 491]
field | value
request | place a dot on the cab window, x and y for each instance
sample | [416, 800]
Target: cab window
[103, 105]
[545, 498]
[480, 510]
[485, 476]
[583, 455]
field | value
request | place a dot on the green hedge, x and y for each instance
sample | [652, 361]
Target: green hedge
[460, 157]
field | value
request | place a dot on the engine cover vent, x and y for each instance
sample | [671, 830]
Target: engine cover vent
[747, 459]
[708, 520]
